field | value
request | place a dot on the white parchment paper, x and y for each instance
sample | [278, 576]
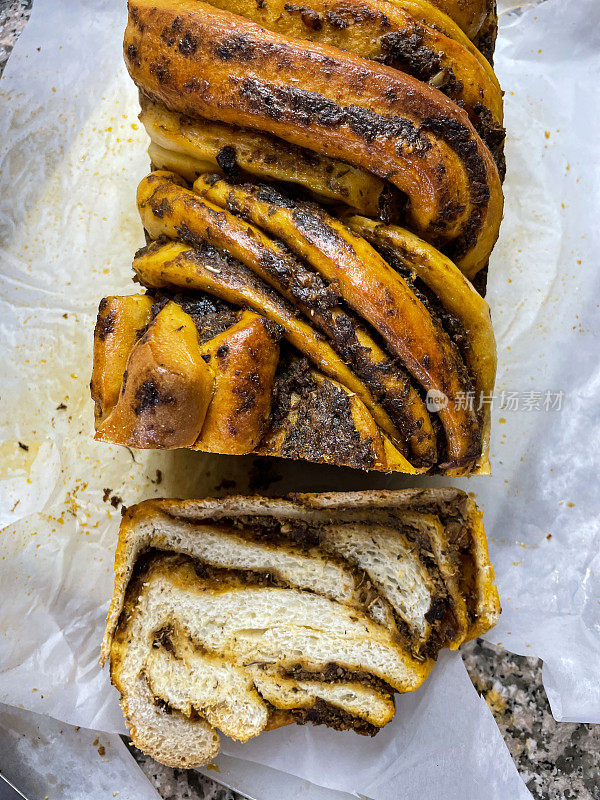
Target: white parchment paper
[71, 155]
[45, 758]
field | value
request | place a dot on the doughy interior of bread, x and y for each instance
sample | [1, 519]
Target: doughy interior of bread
[245, 619]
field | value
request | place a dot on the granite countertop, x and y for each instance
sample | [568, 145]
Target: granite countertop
[558, 761]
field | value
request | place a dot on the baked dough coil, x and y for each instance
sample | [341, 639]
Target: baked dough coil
[330, 92]
[364, 339]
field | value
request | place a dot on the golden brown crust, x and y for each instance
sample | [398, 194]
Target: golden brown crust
[377, 30]
[169, 209]
[323, 262]
[175, 264]
[375, 291]
[170, 391]
[457, 295]
[383, 321]
[486, 606]
[120, 321]
[370, 115]
[243, 360]
[191, 146]
[315, 263]
[470, 15]
[166, 390]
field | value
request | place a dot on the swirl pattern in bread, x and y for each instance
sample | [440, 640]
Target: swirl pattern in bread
[236, 615]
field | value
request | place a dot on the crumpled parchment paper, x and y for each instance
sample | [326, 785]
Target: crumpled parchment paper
[71, 155]
[45, 758]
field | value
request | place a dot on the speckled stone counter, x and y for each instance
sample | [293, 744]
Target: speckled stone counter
[558, 761]
[13, 16]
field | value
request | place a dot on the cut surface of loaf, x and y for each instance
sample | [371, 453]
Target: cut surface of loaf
[239, 614]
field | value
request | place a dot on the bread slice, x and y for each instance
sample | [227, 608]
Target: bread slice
[244, 613]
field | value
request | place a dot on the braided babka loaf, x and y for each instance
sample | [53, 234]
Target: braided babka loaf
[247, 613]
[325, 187]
